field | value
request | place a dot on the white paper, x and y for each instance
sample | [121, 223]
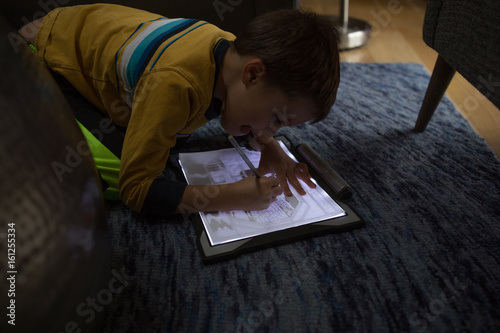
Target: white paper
[226, 166]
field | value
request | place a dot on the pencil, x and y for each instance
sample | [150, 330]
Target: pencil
[243, 156]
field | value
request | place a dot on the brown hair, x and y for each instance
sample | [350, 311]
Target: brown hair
[300, 53]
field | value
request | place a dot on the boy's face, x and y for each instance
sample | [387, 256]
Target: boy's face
[262, 110]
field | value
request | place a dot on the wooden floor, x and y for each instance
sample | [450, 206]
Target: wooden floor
[397, 37]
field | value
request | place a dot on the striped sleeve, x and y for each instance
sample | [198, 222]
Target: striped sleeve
[143, 48]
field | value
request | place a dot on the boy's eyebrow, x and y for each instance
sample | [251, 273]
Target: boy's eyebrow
[285, 114]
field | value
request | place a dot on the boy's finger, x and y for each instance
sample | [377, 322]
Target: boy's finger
[296, 184]
[274, 181]
[284, 185]
[269, 181]
[304, 175]
[277, 190]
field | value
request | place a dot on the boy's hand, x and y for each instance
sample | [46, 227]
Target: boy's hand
[274, 159]
[254, 193]
[250, 193]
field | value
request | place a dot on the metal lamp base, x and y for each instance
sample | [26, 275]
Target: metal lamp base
[353, 34]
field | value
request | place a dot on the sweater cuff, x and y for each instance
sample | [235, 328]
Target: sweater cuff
[163, 197]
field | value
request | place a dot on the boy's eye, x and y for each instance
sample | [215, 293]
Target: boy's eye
[279, 119]
[276, 120]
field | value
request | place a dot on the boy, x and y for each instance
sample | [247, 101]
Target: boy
[163, 78]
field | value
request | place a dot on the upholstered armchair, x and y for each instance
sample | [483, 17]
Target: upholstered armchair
[466, 36]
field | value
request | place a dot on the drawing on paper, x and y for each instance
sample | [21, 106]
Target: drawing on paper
[226, 166]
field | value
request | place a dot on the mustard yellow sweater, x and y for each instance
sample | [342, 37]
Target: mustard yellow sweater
[154, 75]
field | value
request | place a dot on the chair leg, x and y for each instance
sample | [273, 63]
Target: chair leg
[440, 80]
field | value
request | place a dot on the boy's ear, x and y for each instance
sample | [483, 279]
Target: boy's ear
[253, 71]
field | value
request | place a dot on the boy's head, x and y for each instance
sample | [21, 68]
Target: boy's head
[293, 57]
